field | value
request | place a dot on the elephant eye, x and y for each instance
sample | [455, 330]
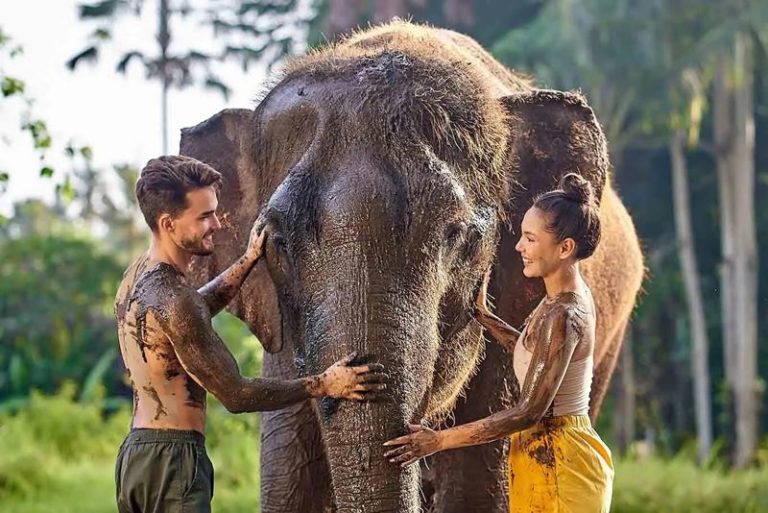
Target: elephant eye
[471, 244]
[455, 233]
[280, 245]
[278, 254]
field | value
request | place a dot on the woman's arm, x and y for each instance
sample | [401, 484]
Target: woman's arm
[502, 332]
[556, 340]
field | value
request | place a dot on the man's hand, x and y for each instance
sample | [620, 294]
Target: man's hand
[409, 449]
[341, 381]
[256, 241]
[481, 302]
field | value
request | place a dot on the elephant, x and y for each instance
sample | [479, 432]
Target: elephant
[391, 170]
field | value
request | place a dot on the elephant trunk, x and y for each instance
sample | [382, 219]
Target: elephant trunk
[363, 481]
[388, 329]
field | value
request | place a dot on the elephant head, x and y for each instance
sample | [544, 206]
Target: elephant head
[384, 170]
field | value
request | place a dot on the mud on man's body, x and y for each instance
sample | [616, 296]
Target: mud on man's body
[174, 356]
[170, 349]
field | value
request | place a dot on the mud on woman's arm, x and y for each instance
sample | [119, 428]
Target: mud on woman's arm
[556, 339]
[502, 332]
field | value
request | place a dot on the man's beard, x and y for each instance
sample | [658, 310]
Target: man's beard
[197, 246]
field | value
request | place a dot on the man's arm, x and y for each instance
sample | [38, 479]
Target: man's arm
[218, 292]
[208, 361]
[556, 342]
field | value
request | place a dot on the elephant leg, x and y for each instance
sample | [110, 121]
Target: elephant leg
[475, 478]
[294, 471]
[604, 370]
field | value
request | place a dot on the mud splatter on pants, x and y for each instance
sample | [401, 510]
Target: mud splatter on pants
[560, 465]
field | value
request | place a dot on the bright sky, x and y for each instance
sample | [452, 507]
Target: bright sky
[117, 115]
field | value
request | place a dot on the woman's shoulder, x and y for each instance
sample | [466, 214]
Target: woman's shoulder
[571, 307]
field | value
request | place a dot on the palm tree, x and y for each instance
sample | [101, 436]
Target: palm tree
[170, 69]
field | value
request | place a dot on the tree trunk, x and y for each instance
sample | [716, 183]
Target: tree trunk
[734, 137]
[343, 16]
[164, 39]
[687, 255]
[745, 254]
[723, 130]
[626, 390]
[385, 10]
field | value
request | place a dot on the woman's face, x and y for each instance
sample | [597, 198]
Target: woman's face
[540, 251]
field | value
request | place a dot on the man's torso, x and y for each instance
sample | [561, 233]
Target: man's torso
[164, 395]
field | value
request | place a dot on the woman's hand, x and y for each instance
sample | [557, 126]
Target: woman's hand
[481, 301]
[422, 442]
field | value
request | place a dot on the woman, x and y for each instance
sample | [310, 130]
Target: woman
[557, 462]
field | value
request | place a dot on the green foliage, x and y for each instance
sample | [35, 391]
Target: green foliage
[55, 451]
[14, 87]
[55, 311]
[679, 486]
[10, 86]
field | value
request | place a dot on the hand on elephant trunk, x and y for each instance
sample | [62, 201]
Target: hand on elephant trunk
[421, 443]
[341, 381]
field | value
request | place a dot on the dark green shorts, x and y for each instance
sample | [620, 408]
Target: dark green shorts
[163, 470]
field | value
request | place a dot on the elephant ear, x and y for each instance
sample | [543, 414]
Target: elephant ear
[225, 141]
[552, 133]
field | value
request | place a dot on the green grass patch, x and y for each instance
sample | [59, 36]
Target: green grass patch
[57, 454]
[679, 486]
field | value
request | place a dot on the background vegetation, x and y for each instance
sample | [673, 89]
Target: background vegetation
[681, 87]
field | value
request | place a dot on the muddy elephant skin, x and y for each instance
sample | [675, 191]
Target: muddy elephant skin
[390, 171]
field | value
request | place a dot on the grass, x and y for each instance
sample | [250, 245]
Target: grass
[58, 455]
[679, 486]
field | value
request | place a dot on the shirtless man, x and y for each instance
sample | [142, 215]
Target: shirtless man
[174, 356]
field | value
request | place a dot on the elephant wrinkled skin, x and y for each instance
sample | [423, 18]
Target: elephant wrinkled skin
[390, 171]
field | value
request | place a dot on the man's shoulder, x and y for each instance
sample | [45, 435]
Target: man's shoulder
[154, 285]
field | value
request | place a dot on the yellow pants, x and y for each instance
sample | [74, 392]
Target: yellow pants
[560, 465]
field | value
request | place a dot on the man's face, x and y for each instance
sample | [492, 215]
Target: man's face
[193, 229]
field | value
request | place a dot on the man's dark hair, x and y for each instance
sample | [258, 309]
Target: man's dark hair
[165, 182]
[572, 212]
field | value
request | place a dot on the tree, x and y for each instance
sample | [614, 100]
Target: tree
[103, 208]
[14, 88]
[735, 146]
[262, 31]
[55, 315]
[170, 69]
[687, 256]
[267, 30]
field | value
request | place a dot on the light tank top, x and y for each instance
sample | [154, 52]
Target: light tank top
[572, 398]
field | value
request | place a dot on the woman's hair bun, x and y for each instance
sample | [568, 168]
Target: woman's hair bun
[577, 188]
